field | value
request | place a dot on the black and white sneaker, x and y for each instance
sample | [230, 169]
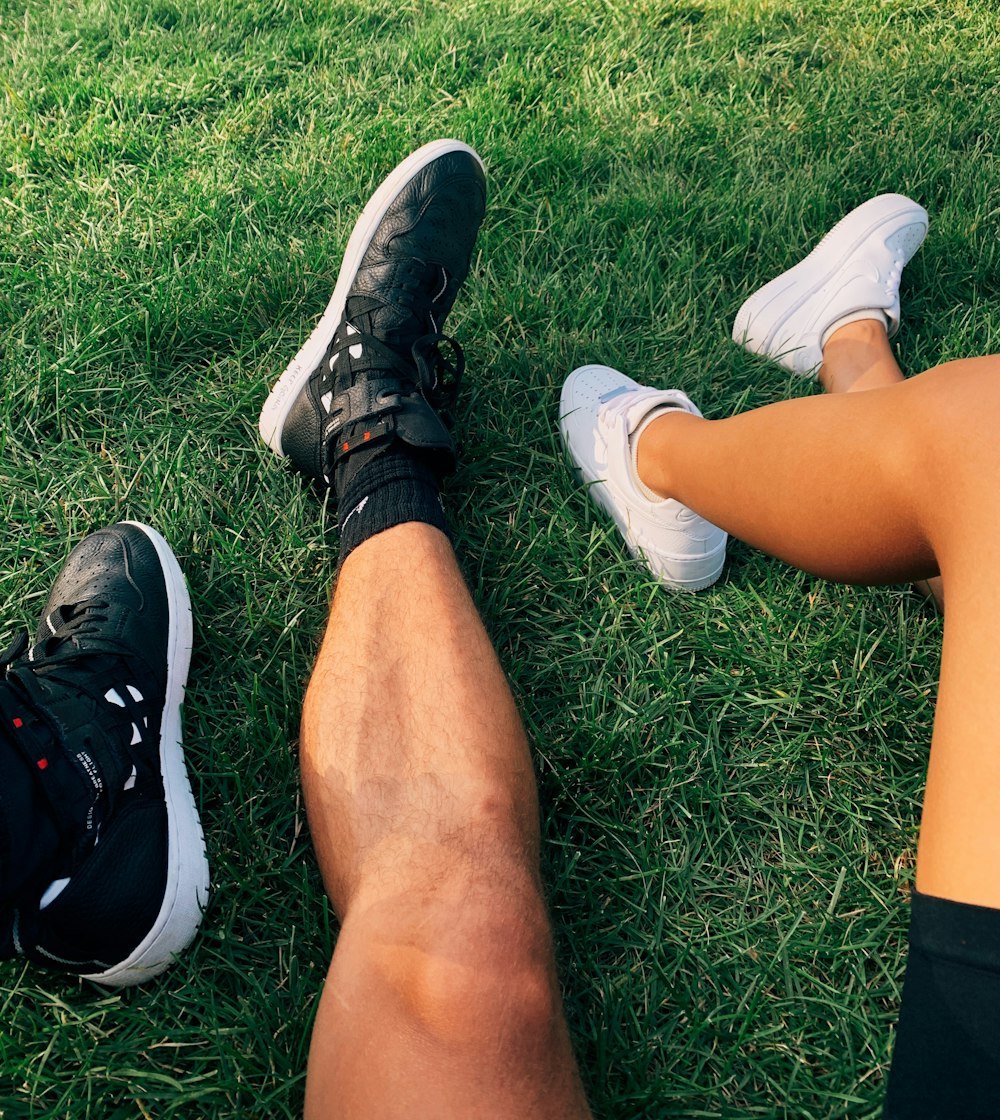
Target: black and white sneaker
[94, 707]
[373, 369]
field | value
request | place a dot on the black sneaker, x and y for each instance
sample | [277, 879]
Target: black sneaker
[372, 369]
[94, 706]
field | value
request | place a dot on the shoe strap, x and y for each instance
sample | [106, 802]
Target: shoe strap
[71, 718]
[402, 400]
[633, 406]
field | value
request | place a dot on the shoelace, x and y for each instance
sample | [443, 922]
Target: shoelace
[83, 619]
[420, 286]
[56, 663]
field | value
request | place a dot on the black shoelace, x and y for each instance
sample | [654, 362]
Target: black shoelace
[437, 378]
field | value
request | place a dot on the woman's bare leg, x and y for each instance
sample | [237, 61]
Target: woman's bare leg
[894, 484]
[859, 357]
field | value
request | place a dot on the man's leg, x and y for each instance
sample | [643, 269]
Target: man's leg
[442, 998]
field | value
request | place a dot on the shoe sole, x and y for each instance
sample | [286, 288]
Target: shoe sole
[677, 573]
[811, 273]
[289, 385]
[186, 893]
[699, 573]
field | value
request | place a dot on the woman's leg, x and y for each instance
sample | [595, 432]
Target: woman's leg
[881, 486]
[894, 483]
[856, 358]
[831, 315]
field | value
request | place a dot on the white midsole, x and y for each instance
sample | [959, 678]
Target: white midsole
[683, 573]
[186, 893]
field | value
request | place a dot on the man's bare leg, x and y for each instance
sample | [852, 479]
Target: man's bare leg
[442, 999]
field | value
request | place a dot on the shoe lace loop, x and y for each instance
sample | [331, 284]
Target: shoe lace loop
[17, 648]
[439, 378]
[69, 623]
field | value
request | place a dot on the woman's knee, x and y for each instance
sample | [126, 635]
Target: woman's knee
[948, 436]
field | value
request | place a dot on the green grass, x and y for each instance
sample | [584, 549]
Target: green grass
[730, 782]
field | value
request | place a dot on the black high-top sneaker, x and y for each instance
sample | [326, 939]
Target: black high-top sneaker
[372, 369]
[94, 708]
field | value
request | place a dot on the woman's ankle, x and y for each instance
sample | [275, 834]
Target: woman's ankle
[858, 356]
[656, 450]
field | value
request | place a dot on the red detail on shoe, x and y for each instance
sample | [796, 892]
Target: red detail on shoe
[347, 447]
[43, 764]
[368, 435]
[18, 723]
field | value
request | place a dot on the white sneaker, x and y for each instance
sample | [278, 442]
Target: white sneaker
[855, 269]
[599, 411]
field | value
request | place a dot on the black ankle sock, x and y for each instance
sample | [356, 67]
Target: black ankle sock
[946, 1060]
[382, 488]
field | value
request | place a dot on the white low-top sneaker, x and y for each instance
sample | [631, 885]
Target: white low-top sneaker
[855, 269]
[600, 411]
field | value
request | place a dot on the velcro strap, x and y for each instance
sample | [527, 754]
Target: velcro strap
[363, 434]
[369, 401]
[69, 793]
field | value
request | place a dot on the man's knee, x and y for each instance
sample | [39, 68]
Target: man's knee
[506, 999]
[464, 959]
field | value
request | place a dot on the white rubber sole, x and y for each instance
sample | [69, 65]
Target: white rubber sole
[186, 894]
[289, 385]
[677, 573]
[821, 265]
[685, 573]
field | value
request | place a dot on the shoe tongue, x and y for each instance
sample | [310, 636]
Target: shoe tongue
[388, 324]
[412, 288]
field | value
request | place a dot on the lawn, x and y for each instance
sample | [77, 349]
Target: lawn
[730, 782]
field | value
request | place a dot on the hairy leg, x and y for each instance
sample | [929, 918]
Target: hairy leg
[442, 999]
[894, 484]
